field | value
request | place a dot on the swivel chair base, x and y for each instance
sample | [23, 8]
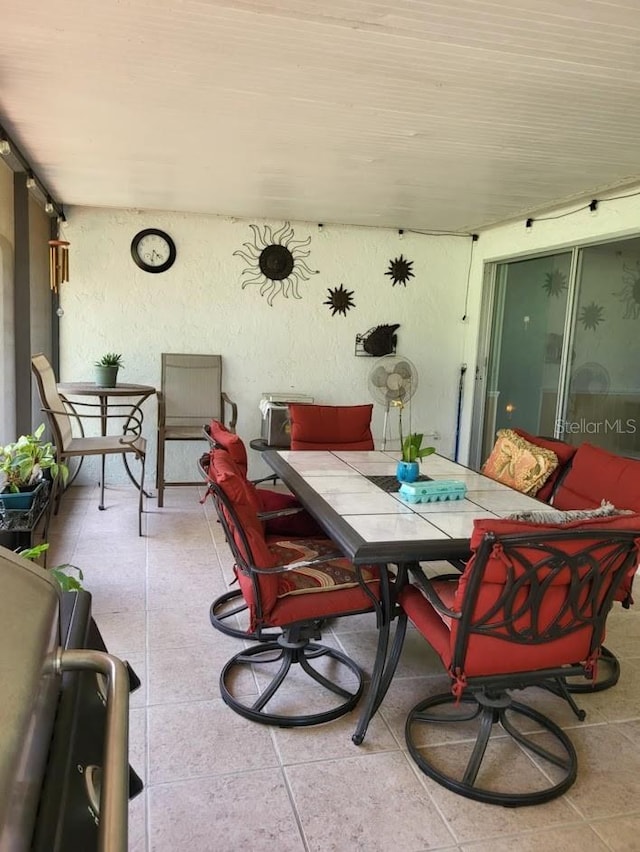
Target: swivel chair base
[281, 655]
[489, 710]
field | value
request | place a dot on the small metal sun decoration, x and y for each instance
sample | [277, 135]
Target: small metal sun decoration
[276, 262]
[400, 270]
[555, 282]
[630, 293]
[340, 300]
[591, 315]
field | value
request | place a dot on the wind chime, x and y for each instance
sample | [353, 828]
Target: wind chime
[58, 263]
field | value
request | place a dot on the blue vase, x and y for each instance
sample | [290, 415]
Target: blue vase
[407, 471]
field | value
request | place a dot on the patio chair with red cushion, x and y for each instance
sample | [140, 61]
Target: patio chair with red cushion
[529, 610]
[290, 585]
[281, 514]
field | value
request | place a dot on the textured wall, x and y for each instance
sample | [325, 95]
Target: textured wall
[294, 345]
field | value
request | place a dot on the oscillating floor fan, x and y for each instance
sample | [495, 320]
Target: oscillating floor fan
[393, 380]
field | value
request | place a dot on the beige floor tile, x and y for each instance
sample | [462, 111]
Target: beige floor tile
[248, 811]
[576, 838]
[191, 673]
[372, 802]
[167, 587]
[608, 780]
[505, 767]
[175, 628]
[621, 834]
[418, 657]
[124, 633]
[331, 740]
[204, 738]
[622, 701]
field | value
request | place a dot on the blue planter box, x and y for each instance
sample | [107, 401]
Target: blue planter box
[21, 500]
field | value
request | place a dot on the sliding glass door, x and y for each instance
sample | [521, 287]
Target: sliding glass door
[562, 353]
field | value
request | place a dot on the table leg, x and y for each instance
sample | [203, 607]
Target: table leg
[386, 662]
[103, 432]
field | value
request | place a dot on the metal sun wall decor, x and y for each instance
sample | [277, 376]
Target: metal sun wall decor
[591, 316]
[630, 293]
[340, 300]
[400, 270]
[276, 262]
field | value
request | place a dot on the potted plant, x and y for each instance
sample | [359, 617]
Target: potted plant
[107, 370]
[412, 451]
[66, 581]
[22, 467]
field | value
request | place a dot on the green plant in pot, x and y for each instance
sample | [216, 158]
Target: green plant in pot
[107, 370]
[61, 573]
[22, 467]
[412, 451]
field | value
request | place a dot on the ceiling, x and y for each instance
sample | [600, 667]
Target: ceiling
[413, 114]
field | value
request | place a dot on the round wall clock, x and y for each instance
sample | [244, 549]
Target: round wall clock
[153, 250]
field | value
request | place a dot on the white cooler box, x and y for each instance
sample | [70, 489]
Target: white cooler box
[276, 430]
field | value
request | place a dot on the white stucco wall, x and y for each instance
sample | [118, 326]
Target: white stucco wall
[294, 345]
[614, 219]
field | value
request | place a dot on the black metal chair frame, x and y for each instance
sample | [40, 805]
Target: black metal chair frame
[293, 646]
[597, 570]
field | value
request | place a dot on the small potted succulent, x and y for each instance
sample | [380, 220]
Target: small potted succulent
[107, 370]
[22, 467]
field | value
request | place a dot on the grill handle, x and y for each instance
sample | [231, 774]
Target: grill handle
[114, 793]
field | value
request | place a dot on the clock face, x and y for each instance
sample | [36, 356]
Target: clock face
[153, 250]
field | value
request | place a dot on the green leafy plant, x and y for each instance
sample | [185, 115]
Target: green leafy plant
[411, 445]
[66, 581]
[23, 462]
[412, 449]
[111, 359]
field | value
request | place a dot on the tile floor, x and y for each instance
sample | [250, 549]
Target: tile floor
[216, 782]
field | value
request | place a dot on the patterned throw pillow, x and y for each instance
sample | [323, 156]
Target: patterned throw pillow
[556, 516]
[519, 464]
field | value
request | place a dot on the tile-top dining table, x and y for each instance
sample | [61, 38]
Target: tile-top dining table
[355, 497]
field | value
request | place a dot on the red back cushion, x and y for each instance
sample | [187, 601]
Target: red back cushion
[596, 475]
[230, 442]
[227, 476]
[331, 427]
[565, 452]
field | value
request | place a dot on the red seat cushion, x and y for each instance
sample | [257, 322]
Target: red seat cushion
[331, 427]
[565, 452]
[230, 442]
[596, 475]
